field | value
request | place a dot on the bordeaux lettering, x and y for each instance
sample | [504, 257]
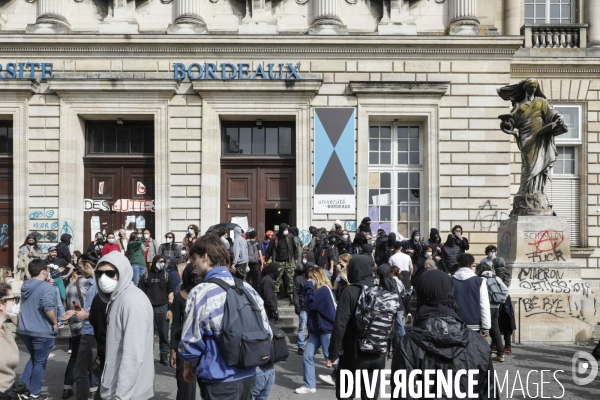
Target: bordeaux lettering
[12, 69]
[240, 71]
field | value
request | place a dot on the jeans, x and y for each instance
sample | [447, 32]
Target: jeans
[265, 380]
[236, 390]
[39, 349]
[308, 360]
[60, 308]
[162, 327]
[138, 271]
[495, 330]
[303, 317]
[400, 325]
[85, 380]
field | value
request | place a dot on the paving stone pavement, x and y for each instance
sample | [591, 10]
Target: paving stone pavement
[289, 374]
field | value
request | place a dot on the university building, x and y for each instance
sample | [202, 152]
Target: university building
[161, 114]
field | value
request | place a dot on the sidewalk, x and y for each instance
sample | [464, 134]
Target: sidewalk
[289, 374]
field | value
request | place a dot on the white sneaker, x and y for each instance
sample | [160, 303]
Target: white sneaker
[327, 379]
[409, 319]
[306, 390]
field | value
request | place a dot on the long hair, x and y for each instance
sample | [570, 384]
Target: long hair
[319, 277]
[35, 243]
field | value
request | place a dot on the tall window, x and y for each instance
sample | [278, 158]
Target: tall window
[129, 138]
[549, 11]
[6, 138]
[563, 190]
[395, 172]
[267, 139]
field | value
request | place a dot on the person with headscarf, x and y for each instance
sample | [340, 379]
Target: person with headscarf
[440, 341]
[345, 333]
[413, 247]
[435, 242]
[450, 251]
[189, 280]
[387, 282]
[267, 290]
[359, 240]
[365, 227]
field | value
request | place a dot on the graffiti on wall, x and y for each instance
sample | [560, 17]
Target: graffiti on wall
[489, 217]
[545, 246]
[550, 280]
[556, 306]
[43, 223]
[4, 234]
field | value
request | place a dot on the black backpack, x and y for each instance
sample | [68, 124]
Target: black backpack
[244, 341]
[375, 317]
[279, 348]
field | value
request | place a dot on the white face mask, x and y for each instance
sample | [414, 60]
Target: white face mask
[160, 266]
[428, 254]
[14, 312]
[183, 252]
[491, 254]
[147, 236]
[106, 284]
[417, 238]
[191, 231]
[10, 281]
[111, 241]
[285, 233]
[169, 240]
[345, 237]
[304, 261]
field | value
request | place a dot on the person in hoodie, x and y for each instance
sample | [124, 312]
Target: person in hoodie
[320, 300]
[365, 227]
[267, 290]
[136, 256]
[298, 266]
[485, 271]
[198, 349]
[240, 250]
[461, 241]
[110, 244]
[435, 242]
[64, 253]
[283, 251]
[158, 286]
[38, 325]
[450, 251]
[300, 307]
[441, 341]
[129, 355]
[413, 247]
[471, 295]
[344, 335]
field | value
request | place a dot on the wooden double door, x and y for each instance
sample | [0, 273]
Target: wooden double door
[7, 241]
[118, 194]
[264, 193]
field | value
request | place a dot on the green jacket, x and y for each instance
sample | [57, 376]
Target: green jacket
[136, 254]
[299, 247]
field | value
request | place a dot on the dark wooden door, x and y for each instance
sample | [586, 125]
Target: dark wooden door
[248, 190]
[7, 243]
[118, 196]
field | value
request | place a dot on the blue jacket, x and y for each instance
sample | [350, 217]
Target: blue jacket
[322, 308]
[38, 297]
[202, 328]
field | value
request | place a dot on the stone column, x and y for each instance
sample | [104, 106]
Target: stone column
[513, 17]
[50, 18]
[188, 18]
[463, 17]
[592, 17]
[327, 19]
[120, 19]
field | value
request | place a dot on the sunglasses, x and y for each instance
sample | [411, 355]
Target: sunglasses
[111, 273]
[16, 299]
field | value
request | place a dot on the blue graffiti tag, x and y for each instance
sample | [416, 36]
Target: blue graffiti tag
[36, 215]
[350, 225]
[50, 213]
[54, 225]
[4, 232]
[67, 229]
[305, 236]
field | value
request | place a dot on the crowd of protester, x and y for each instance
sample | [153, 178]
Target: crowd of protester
[214, 303]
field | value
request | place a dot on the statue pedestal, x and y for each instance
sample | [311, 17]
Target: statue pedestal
[552, 303]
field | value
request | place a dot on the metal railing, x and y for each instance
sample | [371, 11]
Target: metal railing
[555, 36]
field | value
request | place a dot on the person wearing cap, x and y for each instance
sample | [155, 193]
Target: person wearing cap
[283, 251]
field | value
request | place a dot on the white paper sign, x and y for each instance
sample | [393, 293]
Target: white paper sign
[140, 222]
[95, 226]
[382, 200]
[335, 204]
[241, 221]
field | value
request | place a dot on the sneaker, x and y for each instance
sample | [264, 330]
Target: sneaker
[300, 352]
[508, 350]
[306, 390]
[70, 351]
[40, 397]
[327, 379]
[409, 319]
[498, 358]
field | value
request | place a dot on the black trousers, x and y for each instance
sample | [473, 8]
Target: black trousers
[69, 379]
[365, 361]
[495, 331]
[252, 277]
[236, 390]
[83, 367]
[185, 391]
[407, 285]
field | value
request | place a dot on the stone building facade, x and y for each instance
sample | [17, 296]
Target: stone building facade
[109, 113]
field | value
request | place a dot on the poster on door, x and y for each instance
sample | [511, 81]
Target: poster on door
[334, 177]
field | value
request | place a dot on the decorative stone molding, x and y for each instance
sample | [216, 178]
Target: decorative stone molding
[188, 18]
[373, 87]
[592, 17]
[50, 18]
[327, 19]
[87, 99]
[463, 17]
[120, 19]
[396, 19]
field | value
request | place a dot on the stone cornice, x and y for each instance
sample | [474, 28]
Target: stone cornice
[303, 85]
[17, 85]
[414, 88]
[368, 46]
[89, 85]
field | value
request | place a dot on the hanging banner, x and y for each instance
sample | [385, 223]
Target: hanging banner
[334, 185]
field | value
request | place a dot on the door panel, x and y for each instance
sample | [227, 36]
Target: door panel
[7, 242]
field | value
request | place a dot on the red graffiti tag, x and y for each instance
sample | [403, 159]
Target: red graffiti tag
[545, 241]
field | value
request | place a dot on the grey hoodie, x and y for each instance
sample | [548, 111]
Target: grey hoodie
[240, 247]
[129, 364]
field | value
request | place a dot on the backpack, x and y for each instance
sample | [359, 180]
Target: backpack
[375, 317]
[253, 256]
[244, 341]
[389, 251]
[322, 256]
[495, 292]
[279, 348]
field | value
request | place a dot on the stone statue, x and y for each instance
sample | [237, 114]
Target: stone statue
[537, 124]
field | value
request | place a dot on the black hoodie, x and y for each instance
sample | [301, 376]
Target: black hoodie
[345, 331]
[365, 226]
[63, 250]
[267, 290]
[157, 284]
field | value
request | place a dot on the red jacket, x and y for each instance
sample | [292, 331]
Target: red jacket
[110, 247]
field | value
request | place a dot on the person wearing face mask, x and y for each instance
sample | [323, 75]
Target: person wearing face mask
[6, 276]
[283, 251]
[344, 245]
[128, 371]
[150, 247]
[365, 227]
[497, 263]
[450, 251]
[38, 325]
[298, 265]
[189, 280]
[111, 244]
[170, 250]
[158, 286]
[267, 290]
[414, 246]
[190, 237]
[96, 245]
[28, 251]
[9, 352]
[461, 242]
[341, 280]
